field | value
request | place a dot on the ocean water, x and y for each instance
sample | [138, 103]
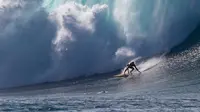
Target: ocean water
[163, 88]
[62, 55]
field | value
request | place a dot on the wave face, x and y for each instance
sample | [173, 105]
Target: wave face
[52, 40]
[191, 41]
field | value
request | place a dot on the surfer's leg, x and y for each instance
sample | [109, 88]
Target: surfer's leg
[127, 69]
[132, 69]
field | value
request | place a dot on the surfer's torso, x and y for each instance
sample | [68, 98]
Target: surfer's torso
[131, 64]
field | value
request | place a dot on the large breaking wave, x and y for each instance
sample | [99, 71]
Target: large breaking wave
[52, 40]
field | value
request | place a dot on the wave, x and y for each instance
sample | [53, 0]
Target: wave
[52, 40]
[192, 40]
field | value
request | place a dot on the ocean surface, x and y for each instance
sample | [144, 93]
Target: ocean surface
[62, 55]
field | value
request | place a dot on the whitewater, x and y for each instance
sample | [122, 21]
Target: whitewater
[62, 55]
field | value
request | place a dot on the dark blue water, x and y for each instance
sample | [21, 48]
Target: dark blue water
[165, 87]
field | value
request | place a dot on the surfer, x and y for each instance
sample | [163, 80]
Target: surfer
[132, 66]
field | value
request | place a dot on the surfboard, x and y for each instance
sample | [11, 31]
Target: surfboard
[121, 75]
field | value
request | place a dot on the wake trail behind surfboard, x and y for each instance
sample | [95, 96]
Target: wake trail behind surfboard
[150, 63]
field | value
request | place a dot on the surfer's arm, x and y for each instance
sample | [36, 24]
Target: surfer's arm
[137, 69]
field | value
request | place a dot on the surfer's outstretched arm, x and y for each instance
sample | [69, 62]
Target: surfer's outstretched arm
[137, 69]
